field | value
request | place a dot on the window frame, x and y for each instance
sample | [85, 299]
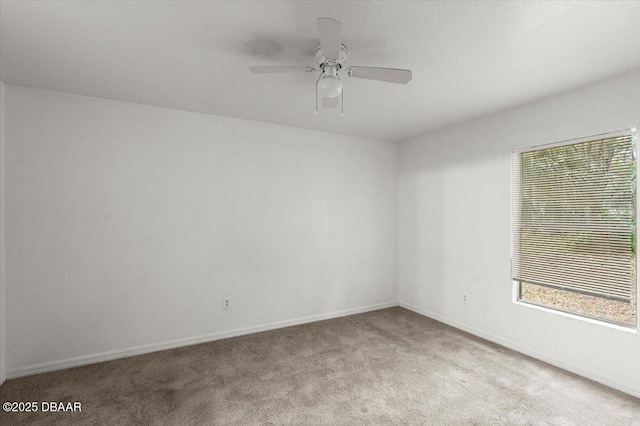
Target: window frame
[516, 285]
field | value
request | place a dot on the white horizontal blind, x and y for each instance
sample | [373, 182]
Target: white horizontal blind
[574, 216]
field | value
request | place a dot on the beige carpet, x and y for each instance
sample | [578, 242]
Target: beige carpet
[385, 367]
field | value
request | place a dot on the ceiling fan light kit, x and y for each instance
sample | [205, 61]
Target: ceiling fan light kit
[330, 56]
[330, 86]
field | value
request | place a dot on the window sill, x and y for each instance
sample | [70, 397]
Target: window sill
[630, 329]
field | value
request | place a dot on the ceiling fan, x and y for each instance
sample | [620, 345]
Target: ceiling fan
[330, 57]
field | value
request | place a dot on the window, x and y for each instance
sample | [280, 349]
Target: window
[574, 227]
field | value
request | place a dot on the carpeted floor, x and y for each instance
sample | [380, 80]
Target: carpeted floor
[385, 367]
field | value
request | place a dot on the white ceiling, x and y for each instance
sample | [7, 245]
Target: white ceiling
[468, 58]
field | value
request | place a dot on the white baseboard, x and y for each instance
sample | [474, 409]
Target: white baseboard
[523, 350]
[154, 347]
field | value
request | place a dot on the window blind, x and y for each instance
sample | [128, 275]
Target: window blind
[574, 216]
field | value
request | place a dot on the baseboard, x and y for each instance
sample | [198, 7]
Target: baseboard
[523, 350]
[154, 347]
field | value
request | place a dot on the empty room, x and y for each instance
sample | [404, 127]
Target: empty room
[319, 212]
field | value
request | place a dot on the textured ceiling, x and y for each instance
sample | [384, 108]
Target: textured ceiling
[468, 58]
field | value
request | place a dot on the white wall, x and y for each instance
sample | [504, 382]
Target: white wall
[128, 224]
[3, 309]
[455, 229]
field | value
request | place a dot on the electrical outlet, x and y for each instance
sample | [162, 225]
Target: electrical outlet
[226, 303]
[464, 297]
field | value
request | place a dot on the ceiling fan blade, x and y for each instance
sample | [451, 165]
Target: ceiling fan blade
[278, 69]
[330, 102]
[392, 75]
[330, 32]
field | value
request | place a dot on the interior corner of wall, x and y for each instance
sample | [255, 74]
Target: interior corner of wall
[3, 351]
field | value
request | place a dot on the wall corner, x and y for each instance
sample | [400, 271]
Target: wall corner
[3, 275]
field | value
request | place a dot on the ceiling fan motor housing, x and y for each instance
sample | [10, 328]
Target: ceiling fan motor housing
[323, 61]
